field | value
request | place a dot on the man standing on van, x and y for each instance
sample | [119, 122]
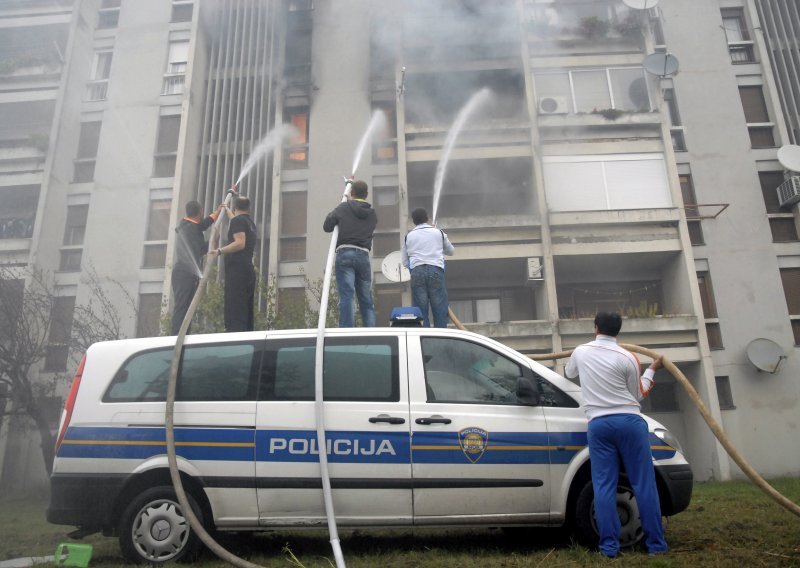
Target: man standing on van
[240, 276]
[189, 251]
[357, 221]
[424, 249]
[612, 389]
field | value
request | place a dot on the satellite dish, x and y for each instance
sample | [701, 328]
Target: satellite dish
[661, 64]
[789, 157]
[765, 355]
[640, 4]
[392, 267]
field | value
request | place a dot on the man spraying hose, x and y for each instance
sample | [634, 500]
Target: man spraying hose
[240, 275]
[356, 220]
[191, 246]
[612, 389]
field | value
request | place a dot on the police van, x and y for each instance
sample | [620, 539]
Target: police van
[425, 428]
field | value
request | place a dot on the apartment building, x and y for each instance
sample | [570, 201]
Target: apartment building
[582, 182]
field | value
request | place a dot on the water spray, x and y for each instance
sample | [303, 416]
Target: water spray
[474, 103]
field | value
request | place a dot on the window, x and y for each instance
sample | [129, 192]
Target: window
[292, 306]
[61, 315]
[781, 221]
[88, 142]
[75, 226]
[606, 182]
[709, 310]
[484, 310]
[757, 116]
[740, 45]
[166, 146]
[155, 255]
[97, 87]
[148, 317]
[465, 372]
[74, 233]
[108, 15]
[355, 369]
[585, 299]
[662, 398]
[675, 125]
[11, 293]
[384, 243]
[594, 90]
[386, 298]
[204, 369]
[384, 146]
[293, 225]
[790, 277]
[724, 394]
[181, 11]
[692, 213]
[177, 61]
[297, 153]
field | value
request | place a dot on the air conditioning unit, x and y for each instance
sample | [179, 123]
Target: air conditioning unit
[553, 105]
[789, 191]
[534, 268]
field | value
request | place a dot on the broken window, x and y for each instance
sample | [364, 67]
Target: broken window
[474, 188]
[297, 152]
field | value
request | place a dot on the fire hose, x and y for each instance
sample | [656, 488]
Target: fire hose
[716, 429]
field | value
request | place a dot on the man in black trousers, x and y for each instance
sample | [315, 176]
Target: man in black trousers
[240, 275]
[189, 250]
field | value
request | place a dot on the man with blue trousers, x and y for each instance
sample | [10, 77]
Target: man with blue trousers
[612, 389]
[424, 250]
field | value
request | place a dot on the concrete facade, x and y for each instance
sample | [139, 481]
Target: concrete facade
[582, 163]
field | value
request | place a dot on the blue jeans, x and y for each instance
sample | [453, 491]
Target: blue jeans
[428, 289]
[625, 437]
[354, 275]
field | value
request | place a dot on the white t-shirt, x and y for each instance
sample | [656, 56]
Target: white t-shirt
[609, 377]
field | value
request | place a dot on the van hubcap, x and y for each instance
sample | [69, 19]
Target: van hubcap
[160, 531]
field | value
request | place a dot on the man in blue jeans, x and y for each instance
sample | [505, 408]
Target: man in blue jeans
[356, 220]
[612, 389]
[424, 250]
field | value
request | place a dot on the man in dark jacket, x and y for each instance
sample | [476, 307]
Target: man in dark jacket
[189, 250]
[240, 275]
[356, 220]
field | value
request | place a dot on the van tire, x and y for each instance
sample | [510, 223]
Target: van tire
[153, 529]
[584, 521]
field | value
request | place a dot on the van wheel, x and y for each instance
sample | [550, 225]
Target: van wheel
[153, 529]
[586, 527]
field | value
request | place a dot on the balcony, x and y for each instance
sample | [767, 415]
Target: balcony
[16, 227]
[173, 83]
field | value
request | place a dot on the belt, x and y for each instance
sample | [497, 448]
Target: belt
[341, 247]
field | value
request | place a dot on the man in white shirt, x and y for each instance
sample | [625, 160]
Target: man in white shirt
[612, 389]
[423, 253]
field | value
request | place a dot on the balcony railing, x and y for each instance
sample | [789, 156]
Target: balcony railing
[173, 83]
[16, 228]
[742, 52]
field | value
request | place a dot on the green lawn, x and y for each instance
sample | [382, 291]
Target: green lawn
[727, 524]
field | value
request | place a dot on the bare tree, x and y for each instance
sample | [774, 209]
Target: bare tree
[29, 323]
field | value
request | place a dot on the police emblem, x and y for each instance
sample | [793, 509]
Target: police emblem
[473, 442]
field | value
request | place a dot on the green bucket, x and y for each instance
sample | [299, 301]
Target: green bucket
[72, 554]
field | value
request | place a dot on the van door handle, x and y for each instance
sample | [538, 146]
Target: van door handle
[433, 420]
[387, 419]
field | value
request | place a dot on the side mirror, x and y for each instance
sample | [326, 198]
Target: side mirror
[527, 393]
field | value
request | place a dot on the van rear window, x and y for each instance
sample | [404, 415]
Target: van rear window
[208, 373]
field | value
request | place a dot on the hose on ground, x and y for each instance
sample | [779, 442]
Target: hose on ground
[716, 429]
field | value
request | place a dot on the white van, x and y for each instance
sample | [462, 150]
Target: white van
[425, 427]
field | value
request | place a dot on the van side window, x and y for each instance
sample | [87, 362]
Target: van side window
[354, 369]
[208, 373]
[551, 396]
[465, 372]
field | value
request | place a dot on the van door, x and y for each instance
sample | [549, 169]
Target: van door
[367, 424]
[478, 453]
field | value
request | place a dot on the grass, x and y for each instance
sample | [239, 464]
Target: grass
[727, 524]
